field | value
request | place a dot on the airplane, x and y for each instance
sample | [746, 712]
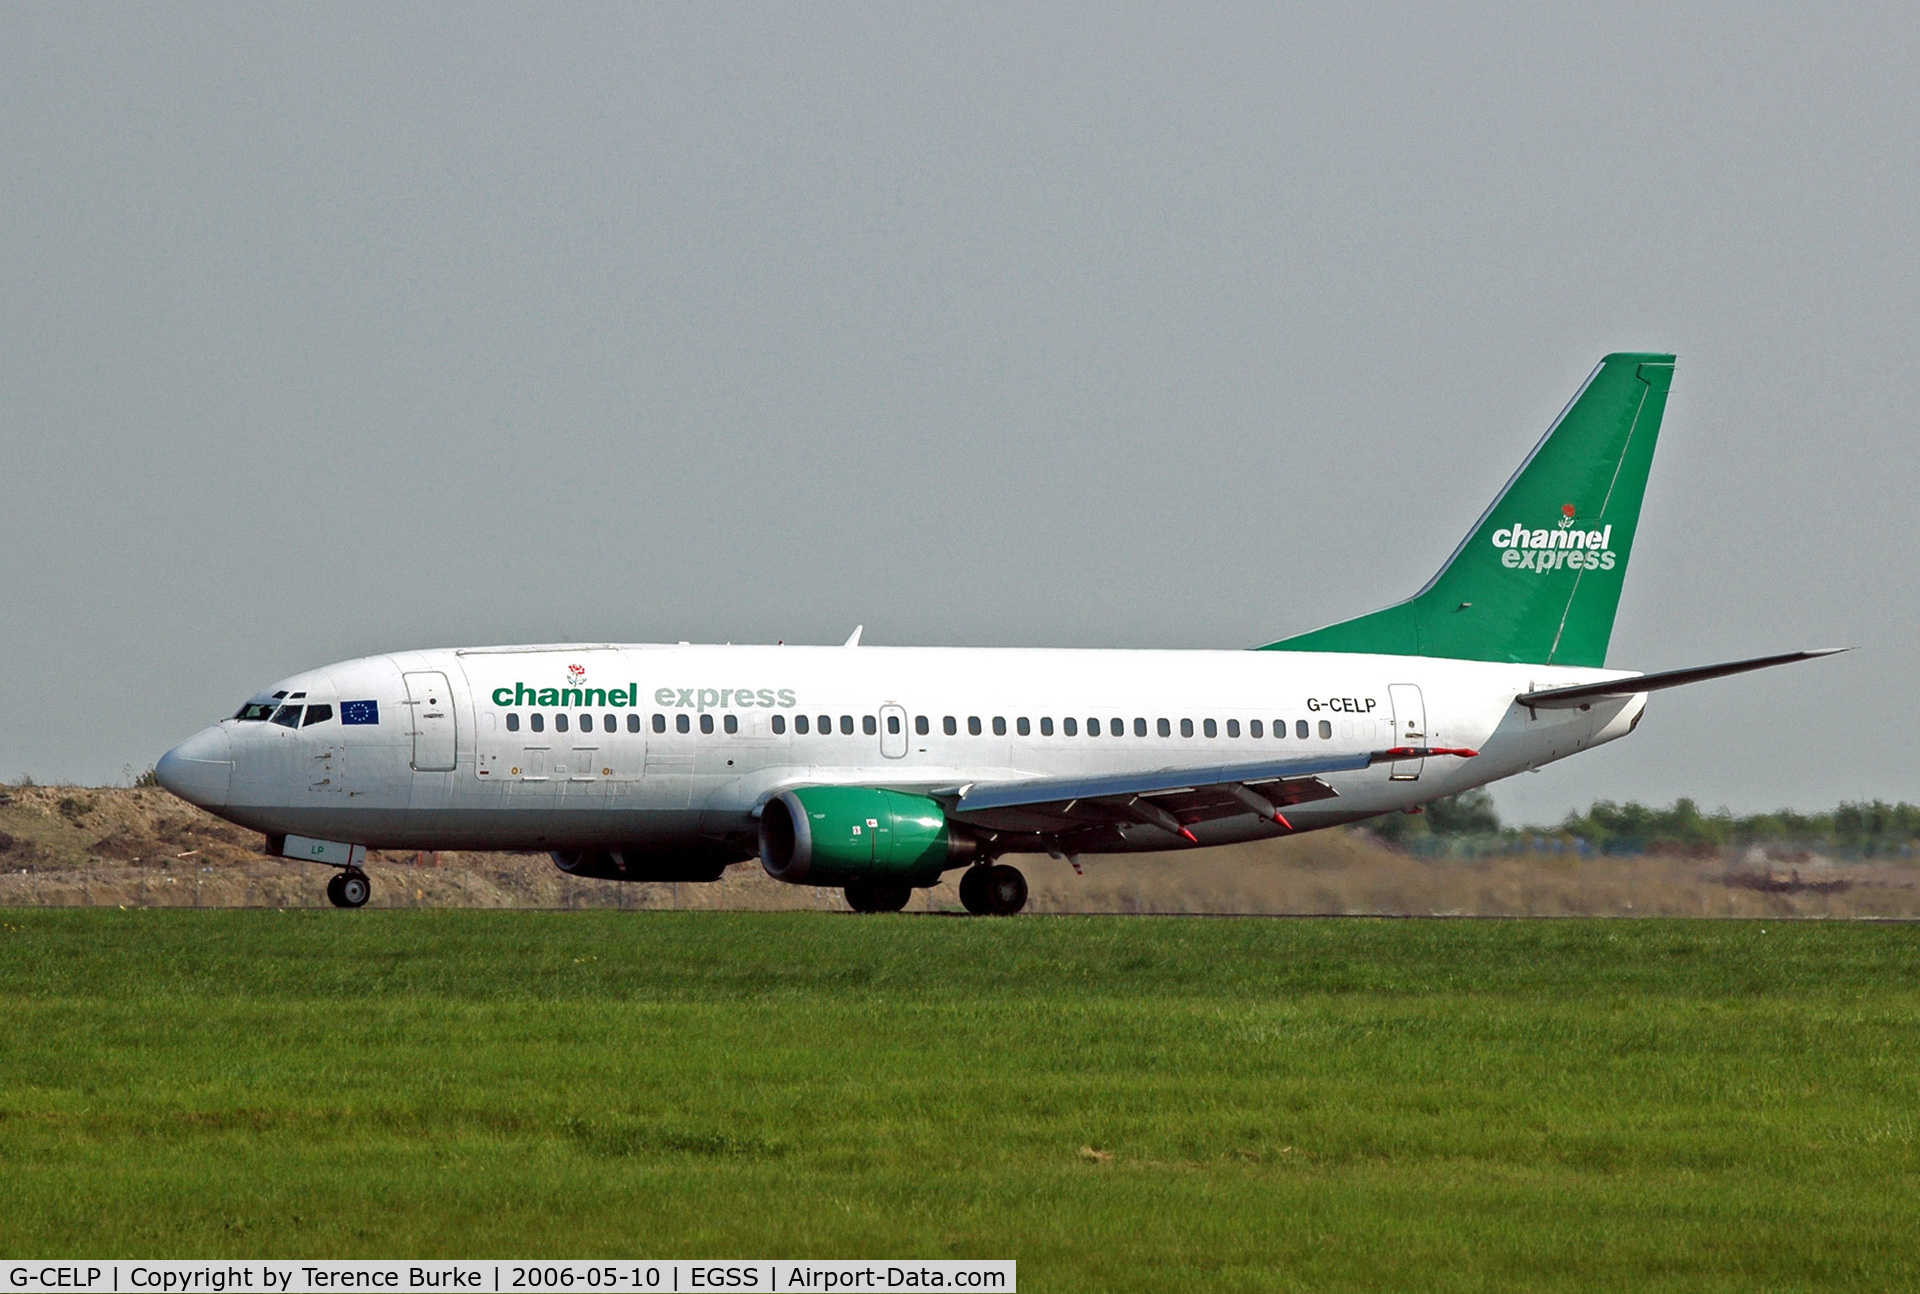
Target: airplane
[877, 770]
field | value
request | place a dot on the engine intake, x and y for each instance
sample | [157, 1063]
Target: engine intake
[836, 835]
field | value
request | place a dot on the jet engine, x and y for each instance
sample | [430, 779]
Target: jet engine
[840, 835]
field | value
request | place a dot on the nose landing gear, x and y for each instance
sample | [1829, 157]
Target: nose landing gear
[349, 889]
[995, 890]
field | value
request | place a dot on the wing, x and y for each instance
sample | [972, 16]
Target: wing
[1567, 698]
[1079, 813]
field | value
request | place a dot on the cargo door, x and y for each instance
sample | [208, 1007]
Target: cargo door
[893, 732]
[1409, 728]
[430, 711]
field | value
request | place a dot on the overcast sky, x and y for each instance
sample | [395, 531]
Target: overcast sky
[327, 331]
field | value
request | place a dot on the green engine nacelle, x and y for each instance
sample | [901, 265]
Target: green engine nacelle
[835, 835]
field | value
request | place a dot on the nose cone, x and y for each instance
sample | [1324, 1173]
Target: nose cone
[199, 768]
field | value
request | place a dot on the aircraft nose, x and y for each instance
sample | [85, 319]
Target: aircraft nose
[199, 768]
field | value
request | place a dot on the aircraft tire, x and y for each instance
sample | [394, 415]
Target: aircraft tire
[973, 891]
[355, 888]
[333, 891]
[1006, 890]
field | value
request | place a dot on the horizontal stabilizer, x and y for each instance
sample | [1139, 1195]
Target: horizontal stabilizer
[1618, 689]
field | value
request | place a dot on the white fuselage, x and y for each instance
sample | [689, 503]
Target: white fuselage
[472, 769]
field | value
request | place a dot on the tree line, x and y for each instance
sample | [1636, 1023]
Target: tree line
[1861, 829]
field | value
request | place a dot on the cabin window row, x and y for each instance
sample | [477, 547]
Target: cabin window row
[805, 725]
[1070, 727]
[537, 722]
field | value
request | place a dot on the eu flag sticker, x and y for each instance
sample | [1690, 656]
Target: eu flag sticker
[359, 712]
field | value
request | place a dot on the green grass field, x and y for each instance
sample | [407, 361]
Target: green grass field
[1116, 1103]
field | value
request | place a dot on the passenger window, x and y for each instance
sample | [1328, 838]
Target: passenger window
[779, 725]
[633, 723]
[1093, 727]
[1210, 728]
[537, 721]
[1254, 728]
[1186, 727]
[706, 723]
[659, 723]
[973, 725]
[732, 723]
[1164, 728]
[1070, 726]
[893, 725]
[826, 725]
[1046, 727]
[800, 724]
[513, 722]
[559, 723]
[1233, 727]
[1117, 727]
[681, 723]
[1300, 729]
[1022, 727]
[948, 726]
[609, 724]
[288, 716]
[999, 726]
[318, 714]
[1139, 727]
[586, 723]
[1326, 729]
[869, 725]
[920, 724]
[846, 725]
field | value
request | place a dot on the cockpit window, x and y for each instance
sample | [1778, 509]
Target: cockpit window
[288, 716]
[279, 696]
[318, 714]
[254, 711]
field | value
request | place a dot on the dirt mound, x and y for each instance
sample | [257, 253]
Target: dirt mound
[64, 846]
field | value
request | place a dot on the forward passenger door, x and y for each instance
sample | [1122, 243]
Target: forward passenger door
[430, 716]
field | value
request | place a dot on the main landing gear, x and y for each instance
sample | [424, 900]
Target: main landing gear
[349, 889]
[994, 890]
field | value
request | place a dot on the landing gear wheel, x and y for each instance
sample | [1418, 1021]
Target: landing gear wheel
[973, 891]
[355, 888]
[1006, 890]
[333, 891]
[878, 896]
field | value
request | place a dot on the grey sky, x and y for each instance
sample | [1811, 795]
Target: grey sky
[326, 331]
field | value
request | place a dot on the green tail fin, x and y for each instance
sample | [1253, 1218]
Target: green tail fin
[1539, 578]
